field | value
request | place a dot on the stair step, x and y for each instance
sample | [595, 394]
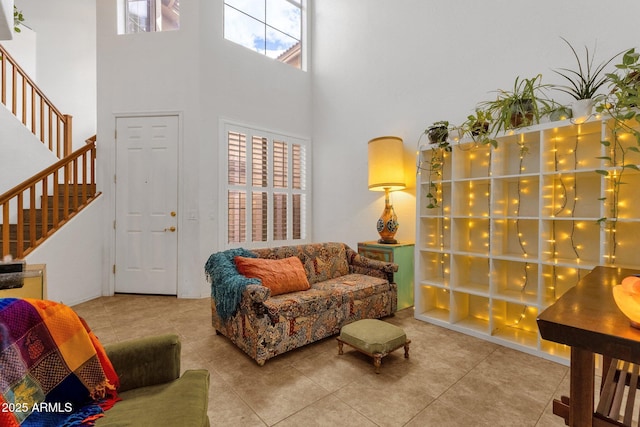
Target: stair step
[90, 191]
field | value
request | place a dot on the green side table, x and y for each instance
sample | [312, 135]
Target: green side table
[401, 254]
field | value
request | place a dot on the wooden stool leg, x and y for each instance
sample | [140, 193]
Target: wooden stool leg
[406, 349]
[340, 347]
[377, 361]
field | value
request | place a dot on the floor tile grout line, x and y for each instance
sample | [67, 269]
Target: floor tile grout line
[437, 398]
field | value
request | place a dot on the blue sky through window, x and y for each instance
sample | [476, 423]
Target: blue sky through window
[269, 27]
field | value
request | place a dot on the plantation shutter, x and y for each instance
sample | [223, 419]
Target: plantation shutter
[266, 194]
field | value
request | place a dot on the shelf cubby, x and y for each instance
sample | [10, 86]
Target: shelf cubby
[435, 233]
[558, 279]
[471, 235]
[473, 198]
[472, 160]
[572, 195]
[571, 241]
[472, 274]
[434, 302]
[628, 196]
[443, 160]
[470, 312]
[515, 238]
[516, 196]
[515, 281]
[571, 148]
[435, 268]
[442, 193]
[560, 351]
[515, 323]
[624, 138]
[621, 245]
[517, 154]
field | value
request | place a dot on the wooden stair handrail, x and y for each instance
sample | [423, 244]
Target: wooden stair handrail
[25, 185]
[42, 118]
[72, 190]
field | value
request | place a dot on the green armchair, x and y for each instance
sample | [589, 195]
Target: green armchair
[152, 391]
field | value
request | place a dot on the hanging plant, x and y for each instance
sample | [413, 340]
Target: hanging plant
[621, 105]
[18, 19]
[438, 132]
[478, 126]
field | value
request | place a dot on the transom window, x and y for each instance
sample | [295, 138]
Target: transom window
[267, 199]
[143, 16]
[270, 27]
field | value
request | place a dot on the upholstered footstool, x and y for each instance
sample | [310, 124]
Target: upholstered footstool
[374, 338]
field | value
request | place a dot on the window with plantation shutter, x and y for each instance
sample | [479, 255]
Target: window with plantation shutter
[267, 199]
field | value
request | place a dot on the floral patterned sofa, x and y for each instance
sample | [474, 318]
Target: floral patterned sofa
[344, 287]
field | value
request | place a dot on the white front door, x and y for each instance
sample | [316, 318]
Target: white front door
[147, 205]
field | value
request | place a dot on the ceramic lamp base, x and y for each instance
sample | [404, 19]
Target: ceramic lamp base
[387, 224]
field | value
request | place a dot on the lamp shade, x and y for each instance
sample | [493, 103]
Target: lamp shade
[386, 167]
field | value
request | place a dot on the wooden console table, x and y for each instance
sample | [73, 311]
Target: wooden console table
[587, 318]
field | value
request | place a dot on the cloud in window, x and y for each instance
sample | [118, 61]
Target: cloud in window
[270, 27]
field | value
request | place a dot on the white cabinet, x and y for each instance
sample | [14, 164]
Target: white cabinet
[514, 227]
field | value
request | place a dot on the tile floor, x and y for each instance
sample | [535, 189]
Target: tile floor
[451, 379]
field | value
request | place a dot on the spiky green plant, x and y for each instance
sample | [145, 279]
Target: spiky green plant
[584, 81]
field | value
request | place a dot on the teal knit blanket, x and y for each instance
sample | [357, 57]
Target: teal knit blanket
[227, 284]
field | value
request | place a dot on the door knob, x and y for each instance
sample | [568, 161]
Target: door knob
[171, 229]
[173, 213]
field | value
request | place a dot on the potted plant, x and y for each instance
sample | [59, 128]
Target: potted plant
[438, 132]
[519, 107]
[584, 81]
[559, 112]
[478, 126]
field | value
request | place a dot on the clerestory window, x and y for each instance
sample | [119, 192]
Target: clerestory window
[266, 197]
[143, 16]
[271, 27]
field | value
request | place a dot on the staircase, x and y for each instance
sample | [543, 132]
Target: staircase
[35, 209]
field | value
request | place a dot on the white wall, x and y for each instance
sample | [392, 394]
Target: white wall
[23, 155]
[22, 48]
[6, 19]
[198, 74]
[66, 58]
[74, 257]
[393, 68]
[378, 68]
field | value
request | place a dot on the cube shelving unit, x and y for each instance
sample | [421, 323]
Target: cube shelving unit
[517, 226]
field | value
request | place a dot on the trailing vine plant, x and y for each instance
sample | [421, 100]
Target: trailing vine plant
[622, 106]
[18, 19]
[437, 134]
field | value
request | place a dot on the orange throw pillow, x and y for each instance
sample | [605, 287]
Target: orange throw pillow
[280, 275]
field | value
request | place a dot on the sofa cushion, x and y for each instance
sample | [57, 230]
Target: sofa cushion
[182, 402]
[327, 295]
[321, 261]
[280, 275]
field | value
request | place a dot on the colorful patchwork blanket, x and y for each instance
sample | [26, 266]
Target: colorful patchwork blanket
[53, 370]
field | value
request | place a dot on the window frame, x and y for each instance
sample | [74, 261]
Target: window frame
[304, 45]
[155, 9]
[270, 189]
